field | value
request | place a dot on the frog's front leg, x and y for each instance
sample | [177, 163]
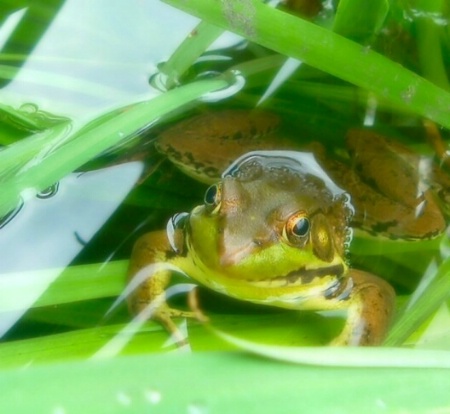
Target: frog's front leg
[370, 306]
[149, 269]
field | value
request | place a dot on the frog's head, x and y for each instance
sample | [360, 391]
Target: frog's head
[274, 221]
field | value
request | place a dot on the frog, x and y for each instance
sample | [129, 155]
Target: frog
[276, 221]
[273, 231]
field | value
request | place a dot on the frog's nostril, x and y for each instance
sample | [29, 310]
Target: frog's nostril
[258, 242]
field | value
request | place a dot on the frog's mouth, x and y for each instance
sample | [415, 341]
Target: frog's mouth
[308, 275]
[302, 276]
[299, 288]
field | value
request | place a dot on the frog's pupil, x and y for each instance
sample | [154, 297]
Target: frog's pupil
[210, 195]
[301, 227]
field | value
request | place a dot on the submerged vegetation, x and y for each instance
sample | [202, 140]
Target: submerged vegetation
[321, 72]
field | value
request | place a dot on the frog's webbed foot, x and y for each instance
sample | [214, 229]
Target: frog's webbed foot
[370, 306]
[165, 316]
[158, 310]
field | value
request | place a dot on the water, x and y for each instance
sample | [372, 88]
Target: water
[65, 246]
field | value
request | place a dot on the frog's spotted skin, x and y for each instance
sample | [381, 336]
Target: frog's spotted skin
[273, 231]
[205, 145]
[390, 195]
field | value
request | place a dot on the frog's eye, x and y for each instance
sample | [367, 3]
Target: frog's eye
[213, 196]
[297, 227]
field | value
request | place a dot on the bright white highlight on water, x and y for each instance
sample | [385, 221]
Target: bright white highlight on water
[47, 234]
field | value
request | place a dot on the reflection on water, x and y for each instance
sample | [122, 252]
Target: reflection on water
[236, 82]
[9, 216]
[87, 72]
[48, 192]
[77, 75]
[48, 233]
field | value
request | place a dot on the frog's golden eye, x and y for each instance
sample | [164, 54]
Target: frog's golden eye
[297, 227]
[213, 196]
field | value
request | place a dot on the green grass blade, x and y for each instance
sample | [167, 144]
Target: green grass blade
[421, 305]
[78, 344]
[188, 51]
[326, 51]
[360, 23]
[219, 383]
[15, 156]
[346, 356]
[75, 283]
[92, 141]
[20, 117]
[429, 42]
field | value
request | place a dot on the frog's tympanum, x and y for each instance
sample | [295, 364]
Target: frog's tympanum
[273, 231]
